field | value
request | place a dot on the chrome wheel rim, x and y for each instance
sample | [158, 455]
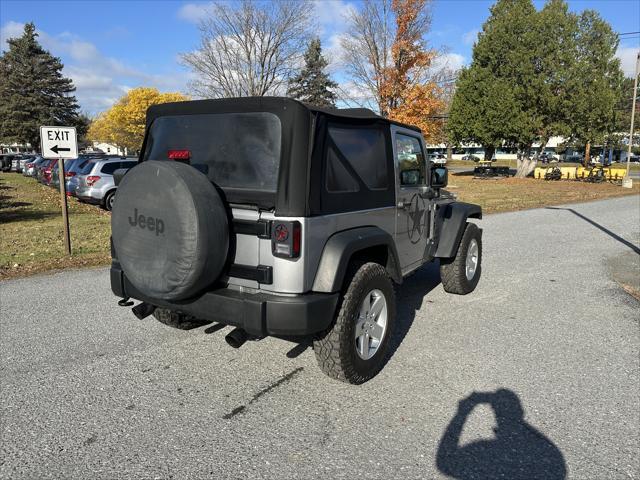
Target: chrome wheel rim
[371, 324]
[110, 201]
[472, 260]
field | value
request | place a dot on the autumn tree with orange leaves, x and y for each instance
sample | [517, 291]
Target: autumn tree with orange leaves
[406, 92]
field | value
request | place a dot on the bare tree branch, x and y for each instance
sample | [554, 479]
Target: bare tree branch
[249, 48]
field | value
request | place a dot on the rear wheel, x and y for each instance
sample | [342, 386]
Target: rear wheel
[355, 349]
[460, 274]
[108, 200]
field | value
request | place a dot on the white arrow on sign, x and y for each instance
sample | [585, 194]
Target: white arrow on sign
[58, 142]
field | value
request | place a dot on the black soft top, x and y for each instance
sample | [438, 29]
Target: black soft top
[302, 138]
[267, 104]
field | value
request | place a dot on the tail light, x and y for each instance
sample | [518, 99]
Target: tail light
[92, 179]
[69, 174]
[29, 165]
[286, 239]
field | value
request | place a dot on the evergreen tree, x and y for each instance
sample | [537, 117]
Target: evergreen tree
[598, 81]
[312, 84]
[33, 91]
[496, 95]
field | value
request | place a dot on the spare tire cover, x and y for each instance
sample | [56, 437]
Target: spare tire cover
[170, 230]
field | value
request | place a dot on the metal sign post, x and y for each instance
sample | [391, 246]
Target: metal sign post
[65, 207]
[60, 143]
[627, 182]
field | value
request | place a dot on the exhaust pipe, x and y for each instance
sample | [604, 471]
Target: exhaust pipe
[143, 310]
[236, 337]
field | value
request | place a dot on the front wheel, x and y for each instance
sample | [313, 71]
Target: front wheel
[460, 274]
[355, 349]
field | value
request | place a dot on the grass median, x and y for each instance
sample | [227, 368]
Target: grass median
[31, 233]
[31, 236]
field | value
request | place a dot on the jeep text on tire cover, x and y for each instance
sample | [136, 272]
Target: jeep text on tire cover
[280, 218]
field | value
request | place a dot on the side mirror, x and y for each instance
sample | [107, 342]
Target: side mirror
[410, 177]
[439, 177]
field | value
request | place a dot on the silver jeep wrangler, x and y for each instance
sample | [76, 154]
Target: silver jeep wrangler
[285, 219]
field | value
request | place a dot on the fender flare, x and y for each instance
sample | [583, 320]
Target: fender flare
[342, 246]
[454, 220]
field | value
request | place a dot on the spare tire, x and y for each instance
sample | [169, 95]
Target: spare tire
[170, 230]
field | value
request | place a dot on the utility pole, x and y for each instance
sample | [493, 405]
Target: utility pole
[627, 182]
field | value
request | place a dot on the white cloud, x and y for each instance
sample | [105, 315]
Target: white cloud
[99, 80]
[194, 12]
[332, 15]
[627, 56]
[10, 30]
[470, 37]
[448, 61]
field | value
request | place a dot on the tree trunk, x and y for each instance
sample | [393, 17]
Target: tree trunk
[526, 164]
[449, 153]
[587, 154]
[488, 153]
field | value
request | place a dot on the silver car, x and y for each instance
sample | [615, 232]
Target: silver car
[95, 181]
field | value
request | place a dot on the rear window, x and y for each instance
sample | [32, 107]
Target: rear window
[87, 168]
[235, 150]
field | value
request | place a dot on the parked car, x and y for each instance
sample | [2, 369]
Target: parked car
[30, 165]
[470, 157]
[24, 161]
[5, 162]
[574, 158]
[68, 166]
[439, 159]
[73, 172]
[46, 170]
[548, 157]
[95, 180]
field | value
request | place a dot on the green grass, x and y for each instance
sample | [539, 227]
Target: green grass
[31, 234]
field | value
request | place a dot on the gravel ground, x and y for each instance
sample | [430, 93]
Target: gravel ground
[548, 341]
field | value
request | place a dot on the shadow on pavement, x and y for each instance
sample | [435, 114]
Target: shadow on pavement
[409, 298]
[599, 227]
[518, 451]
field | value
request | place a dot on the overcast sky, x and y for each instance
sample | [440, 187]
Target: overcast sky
[108, 47]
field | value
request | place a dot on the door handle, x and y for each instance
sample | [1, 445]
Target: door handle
[403, 204]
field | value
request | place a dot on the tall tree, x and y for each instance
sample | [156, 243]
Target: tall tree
[249, 48]
[367, 48]
[33, 90]
[123, 124]
[313, 85]
[500, 83]
[484, 110]
[598, 81]
[406, 92]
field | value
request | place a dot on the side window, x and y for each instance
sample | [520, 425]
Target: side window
[410, 160]
[357, 156]
[109, 168]
[128, 165]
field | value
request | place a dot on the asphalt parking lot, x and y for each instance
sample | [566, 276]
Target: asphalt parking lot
[548, 341]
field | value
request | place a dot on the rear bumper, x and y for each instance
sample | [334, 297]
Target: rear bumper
[257, 313]
[88, 194]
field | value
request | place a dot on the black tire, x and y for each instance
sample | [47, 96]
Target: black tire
[453, 270]
[335, 349]
[178, 320]
[108, 200]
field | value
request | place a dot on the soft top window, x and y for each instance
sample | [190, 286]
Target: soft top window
[235, 150]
